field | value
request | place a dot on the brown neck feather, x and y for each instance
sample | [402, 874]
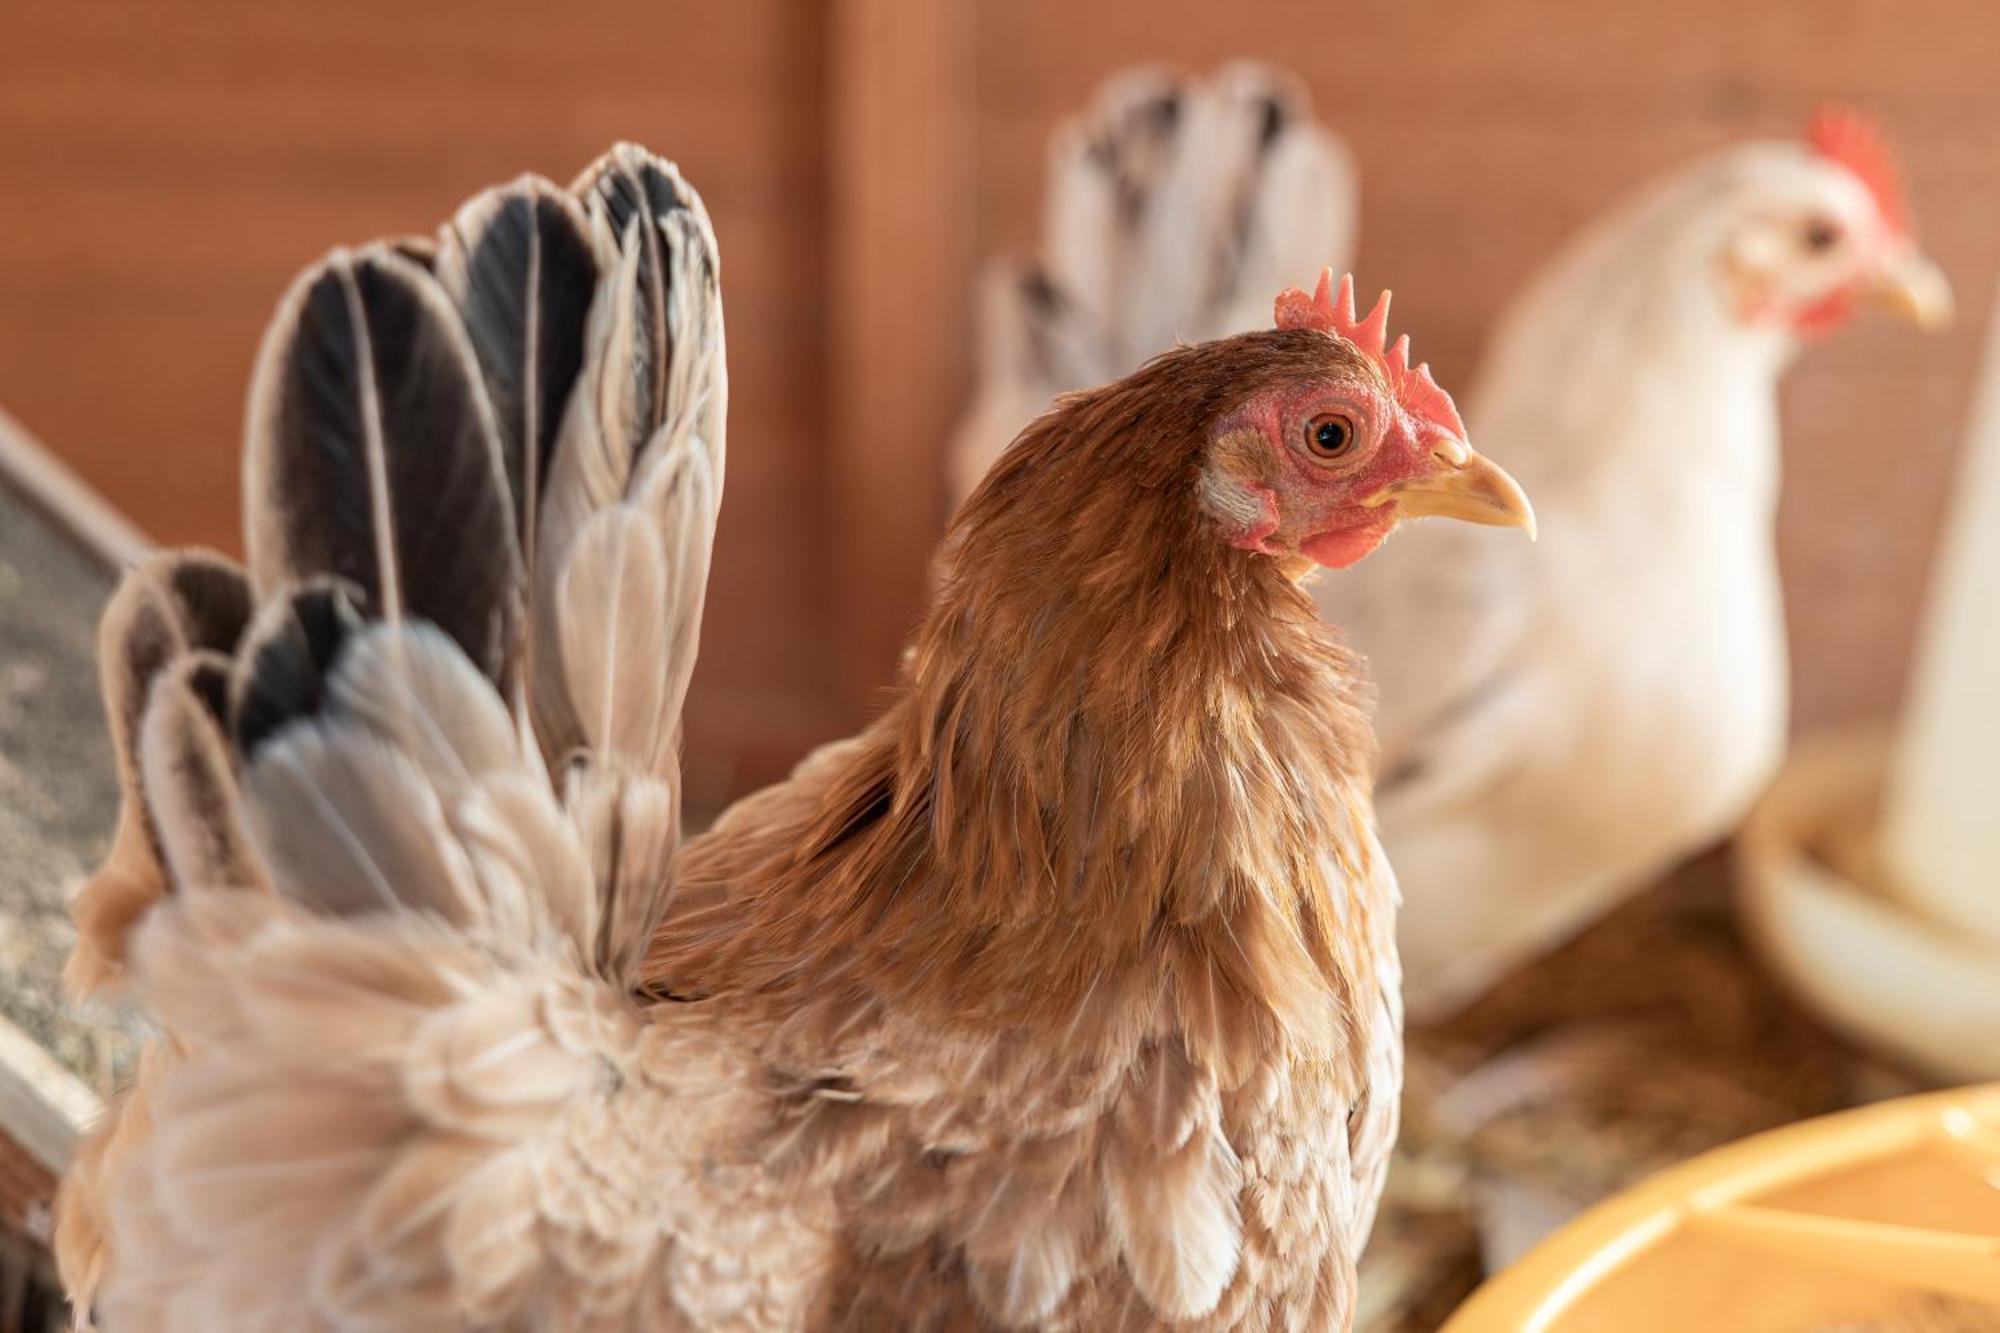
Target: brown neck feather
[1117, 740]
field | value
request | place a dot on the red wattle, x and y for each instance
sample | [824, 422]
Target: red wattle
[1345, 546]
[1826, 314]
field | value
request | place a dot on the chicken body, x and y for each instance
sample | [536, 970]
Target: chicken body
[1008, 1142]
[1579, 719]
[1064, 997]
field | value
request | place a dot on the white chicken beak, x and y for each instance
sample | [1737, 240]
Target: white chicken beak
[1465, 486]
[1912, 287]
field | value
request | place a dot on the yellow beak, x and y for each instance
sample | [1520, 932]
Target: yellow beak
[1914, 288]
[1464, 486]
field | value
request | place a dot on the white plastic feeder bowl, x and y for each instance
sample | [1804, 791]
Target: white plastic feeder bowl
[1874, 966]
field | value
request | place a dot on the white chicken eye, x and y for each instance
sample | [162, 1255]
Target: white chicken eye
[1819, 235]
[1329, 436]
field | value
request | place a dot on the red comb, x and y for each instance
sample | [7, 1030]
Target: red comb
[1414, 388]
[1845, 136]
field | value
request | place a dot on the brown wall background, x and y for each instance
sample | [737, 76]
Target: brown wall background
[164, 169]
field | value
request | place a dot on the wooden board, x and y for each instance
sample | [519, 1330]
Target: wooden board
[902, 229]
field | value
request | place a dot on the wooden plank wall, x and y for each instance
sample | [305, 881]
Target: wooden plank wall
[165, 169]
[902, 228]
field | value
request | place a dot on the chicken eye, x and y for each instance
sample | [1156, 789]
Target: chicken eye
[1329, 435]
[1819, 236]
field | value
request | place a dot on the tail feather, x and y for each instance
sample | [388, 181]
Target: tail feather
[280, 674]
[637, 482]
[616, 574]
[631, 195]
[352, 804]
[189, 777]
[1301, 204]
[1176, 208]
[1033, 344]
[421, 1114]
[176, 602]
[519, 263]
[373, 456]
[173, 604]
[419, 250]
[1103, 170]
[410, 1087]
[631, 828]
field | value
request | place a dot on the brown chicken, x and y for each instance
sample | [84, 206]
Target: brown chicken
[1063, 997]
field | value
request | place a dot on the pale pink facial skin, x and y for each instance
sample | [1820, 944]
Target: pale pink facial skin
[1313, 506]
[1279, 486]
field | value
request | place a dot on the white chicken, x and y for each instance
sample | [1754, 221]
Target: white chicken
[1564, 722]
[1175, 207]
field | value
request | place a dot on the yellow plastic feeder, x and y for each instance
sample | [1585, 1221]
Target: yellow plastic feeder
[1886, 1217]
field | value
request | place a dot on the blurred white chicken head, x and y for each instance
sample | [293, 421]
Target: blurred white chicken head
[1824, 228]
[1174, 207]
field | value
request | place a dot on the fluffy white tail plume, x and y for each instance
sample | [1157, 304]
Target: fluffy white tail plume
[1175, 207]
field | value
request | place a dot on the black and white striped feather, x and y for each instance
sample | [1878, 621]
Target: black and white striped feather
[519, 264]
[175, 603]
[188, 776]
[280, 672]
[372, 456]
[174, 617]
